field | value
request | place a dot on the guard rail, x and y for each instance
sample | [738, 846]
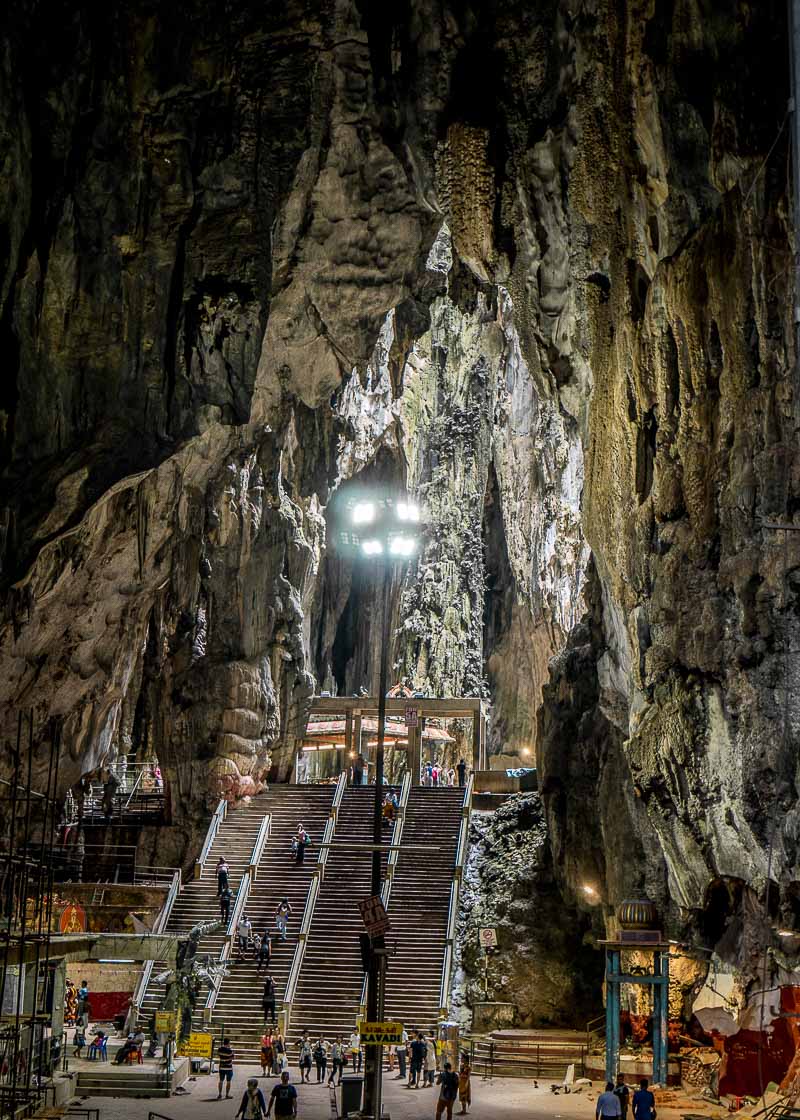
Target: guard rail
[258, 847]
[160, 925]
[455, 887]
[219, 816]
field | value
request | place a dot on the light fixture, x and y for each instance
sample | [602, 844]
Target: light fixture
[372, 548]
[401, 546]
[407, 511]
[588, 890]
[363, 513]
[525, 752]
[787, 933]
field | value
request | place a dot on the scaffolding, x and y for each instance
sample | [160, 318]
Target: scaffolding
[30, 1000]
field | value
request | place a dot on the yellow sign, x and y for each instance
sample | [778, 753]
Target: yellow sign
[380, 1034]
[197, 1045]
[165, 1021]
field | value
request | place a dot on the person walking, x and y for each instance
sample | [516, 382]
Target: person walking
[355, 1051]
[418, 1051]
[304, 1062]
[608, 1104]
[644, 1103]
[225, 900]
[279, 1062]
[320, 1055]
[253, 1106]
[464, 1084]
[283, 911]
[462, 773]
[337, 1061]
[265, 951]
[284, 1097]
[301, 841]
[244, 932]
[268, 1000]
[225, 1057]
[267, 1057]
[83, 1004]
[448, 1091]
[429, 1062]
[222, 875]
[622, 1091]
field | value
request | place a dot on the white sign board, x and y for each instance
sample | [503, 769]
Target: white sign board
[487, 937]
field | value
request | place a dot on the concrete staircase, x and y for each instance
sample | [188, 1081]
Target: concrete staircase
[238, 1005]
[419, 903]
[329, 991]
[198, 900]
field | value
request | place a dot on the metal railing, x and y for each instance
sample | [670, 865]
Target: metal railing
[391, 865]
[144, 876]
[311, 902]
[160, 924]
[242, 895]
[455, 889]
[505, 1057]
[220, 813]
[258, 847]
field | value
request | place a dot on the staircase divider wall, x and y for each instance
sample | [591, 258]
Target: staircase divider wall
[159, 926]
[308, 910]
[394, 855]
[455, 890]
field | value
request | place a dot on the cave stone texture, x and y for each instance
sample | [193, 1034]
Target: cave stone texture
[533, 260]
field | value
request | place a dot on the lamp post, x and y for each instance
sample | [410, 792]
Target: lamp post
[384, 528]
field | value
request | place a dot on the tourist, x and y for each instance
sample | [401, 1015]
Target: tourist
[358, 770]
[265, 951]
[388, 809]
[70, 1003]
[267, 1052]
[299, 844]
[337, 1060]
[225, 900]
[464, 1086]
[283, 912]
[96, 1045]
[83, 1000]
[284, 1097]
[429, 1062]
[320, 1055]
[644, 1103]
[244, 933]
[78, 1041]
[304, 1060]
[268, 1000]
[401, 1049]
[222, 875]
[225, 1057]
[281, 1062]
[418, 1051]
[451, 777]
[462, 773]
[128, 1047]
[608, 1104]
[427, 780]
[253, 1105]
[622, 1091]
[448, 1091]
[355, 1051]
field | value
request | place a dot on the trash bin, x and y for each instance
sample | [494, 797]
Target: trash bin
[352, 1088]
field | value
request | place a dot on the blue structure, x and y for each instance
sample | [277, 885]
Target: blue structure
[659, 978]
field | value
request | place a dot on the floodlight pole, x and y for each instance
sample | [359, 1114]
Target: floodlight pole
[373, 1062]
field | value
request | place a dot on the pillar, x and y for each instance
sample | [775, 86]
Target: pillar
[348, 736]
[59, 985]
[660, 1016]
[415, 751]
[612, 1013]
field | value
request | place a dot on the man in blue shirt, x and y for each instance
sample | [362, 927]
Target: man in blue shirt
[644, 1103]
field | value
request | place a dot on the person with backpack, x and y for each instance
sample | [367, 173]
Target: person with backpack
[320, 1056]
[448, 1092]
[225, 900]
[301, 841]
[622, 1091]
[644, 1103]
[253, 1106]
[304, 1062]
[264, 951]
[418, 1051]
[222, 875]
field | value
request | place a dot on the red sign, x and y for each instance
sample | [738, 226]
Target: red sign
[73, 919]
[374, 916]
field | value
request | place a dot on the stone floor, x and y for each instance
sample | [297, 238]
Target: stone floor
[500, 1099]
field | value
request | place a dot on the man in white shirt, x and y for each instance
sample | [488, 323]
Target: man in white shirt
[245, 933]
[608, 1103]
[402, 1051]
[355, 1051]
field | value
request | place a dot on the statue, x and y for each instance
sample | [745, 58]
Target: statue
[185, 981]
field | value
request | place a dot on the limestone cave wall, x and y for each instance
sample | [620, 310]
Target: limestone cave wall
[534, 261]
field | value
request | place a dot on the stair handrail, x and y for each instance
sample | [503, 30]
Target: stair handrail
[311, 902]
[135, 787]
[242, 894]
[214, 987]
[391, 865]
[258, 847]
[160, 924]
[455, 891]
[218, 817]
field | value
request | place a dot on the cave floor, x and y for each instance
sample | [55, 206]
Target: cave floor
[503, 1097]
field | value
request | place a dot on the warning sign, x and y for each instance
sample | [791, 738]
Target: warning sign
[197, 1045]
[380, 1034]
[374, 916]
[165, 1021]
[487, 936]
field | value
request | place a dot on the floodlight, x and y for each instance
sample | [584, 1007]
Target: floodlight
[363, 513]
